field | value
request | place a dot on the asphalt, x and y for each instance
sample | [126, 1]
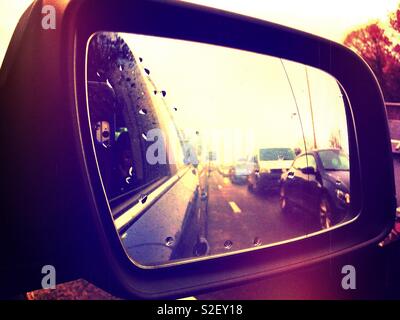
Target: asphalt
[239, 219]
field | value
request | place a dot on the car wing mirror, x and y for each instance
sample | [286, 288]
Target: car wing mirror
[109, 215]
[309, 170]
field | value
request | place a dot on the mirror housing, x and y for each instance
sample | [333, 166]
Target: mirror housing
[308, 170]
[65, 210]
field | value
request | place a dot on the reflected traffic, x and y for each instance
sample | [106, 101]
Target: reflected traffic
[231, 159]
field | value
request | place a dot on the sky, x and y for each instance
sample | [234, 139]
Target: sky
[241, 101]
[330, 19]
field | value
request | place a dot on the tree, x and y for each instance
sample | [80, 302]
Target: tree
[376, 44]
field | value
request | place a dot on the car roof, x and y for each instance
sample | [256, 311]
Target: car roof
[315, 151]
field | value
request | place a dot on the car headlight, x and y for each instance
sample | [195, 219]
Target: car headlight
[343, 196]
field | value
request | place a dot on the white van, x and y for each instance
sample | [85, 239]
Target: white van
[269, 164]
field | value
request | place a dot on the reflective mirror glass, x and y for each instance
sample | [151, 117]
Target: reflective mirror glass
[206, 151]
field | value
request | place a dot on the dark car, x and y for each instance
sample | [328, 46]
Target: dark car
[318, 181]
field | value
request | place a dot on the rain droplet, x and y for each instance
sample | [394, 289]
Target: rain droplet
[144, 136]
[98, 74]
[164, 93]
[228, 244]
[155, 92]
[140, 59]
[147, 71]
[109, 84]
[175, 109]
[169, 241]
[257, 242]
[143, 111]
[120, 68]
[201, 248]
[143, 198]
[128, 79]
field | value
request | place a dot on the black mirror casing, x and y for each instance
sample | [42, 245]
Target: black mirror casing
[55, 208]
[309, 170]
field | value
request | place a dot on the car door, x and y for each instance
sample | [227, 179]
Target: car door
[312, 185]
[297, 180]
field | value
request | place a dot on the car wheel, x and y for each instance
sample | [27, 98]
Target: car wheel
[283, 201]
[325, 213]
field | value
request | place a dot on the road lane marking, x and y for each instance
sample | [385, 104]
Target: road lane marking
[235, 207]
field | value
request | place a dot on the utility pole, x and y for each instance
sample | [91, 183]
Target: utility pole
[311, 108]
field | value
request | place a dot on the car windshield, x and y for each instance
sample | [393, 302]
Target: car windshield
[272, 154]
[334, 160]
[242, 165]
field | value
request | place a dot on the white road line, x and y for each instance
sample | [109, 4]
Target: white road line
[235, 207]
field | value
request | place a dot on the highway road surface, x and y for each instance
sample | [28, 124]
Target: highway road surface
[240, 219]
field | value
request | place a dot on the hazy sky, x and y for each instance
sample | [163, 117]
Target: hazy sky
[331, 19]
[238, 100]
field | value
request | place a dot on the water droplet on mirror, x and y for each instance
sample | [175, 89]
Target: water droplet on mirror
[147, 71]
[109, 84]
[140, 59]
[201, 248]
[155, 92]
[144, 136]
[169, 241]
[120, 68]
[257, 242]
[143, 198]
[228, 244]
[98, 74]
[164, 93]
[175, 109]
[143, 111]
